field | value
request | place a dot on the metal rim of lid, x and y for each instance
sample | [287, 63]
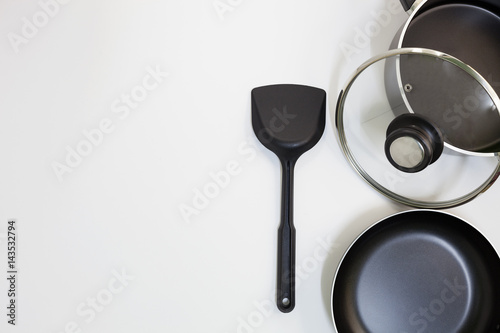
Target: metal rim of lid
[339, 124]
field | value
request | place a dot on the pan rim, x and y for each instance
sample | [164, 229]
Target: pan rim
[370, 227]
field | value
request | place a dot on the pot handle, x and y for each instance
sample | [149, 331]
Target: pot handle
[407, 4]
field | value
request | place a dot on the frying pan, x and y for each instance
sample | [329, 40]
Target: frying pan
[418, 271]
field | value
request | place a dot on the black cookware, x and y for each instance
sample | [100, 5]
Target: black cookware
[418, 271]
[288, 120]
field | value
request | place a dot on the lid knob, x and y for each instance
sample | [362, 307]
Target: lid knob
[412, 143]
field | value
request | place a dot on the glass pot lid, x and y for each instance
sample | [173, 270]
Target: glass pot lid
[421, 127]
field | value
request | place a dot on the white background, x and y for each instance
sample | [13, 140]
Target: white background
[119, 209]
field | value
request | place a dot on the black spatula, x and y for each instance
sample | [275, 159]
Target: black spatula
[288, 120]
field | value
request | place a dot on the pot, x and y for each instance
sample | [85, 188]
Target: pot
[467, 30]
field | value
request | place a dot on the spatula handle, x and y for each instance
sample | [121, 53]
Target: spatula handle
[285, 296]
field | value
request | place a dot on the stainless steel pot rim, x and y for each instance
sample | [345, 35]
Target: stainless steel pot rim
[360, 170]
[366, 230]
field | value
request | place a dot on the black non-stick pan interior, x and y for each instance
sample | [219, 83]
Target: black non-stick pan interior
[418, 271]
[469, 32]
